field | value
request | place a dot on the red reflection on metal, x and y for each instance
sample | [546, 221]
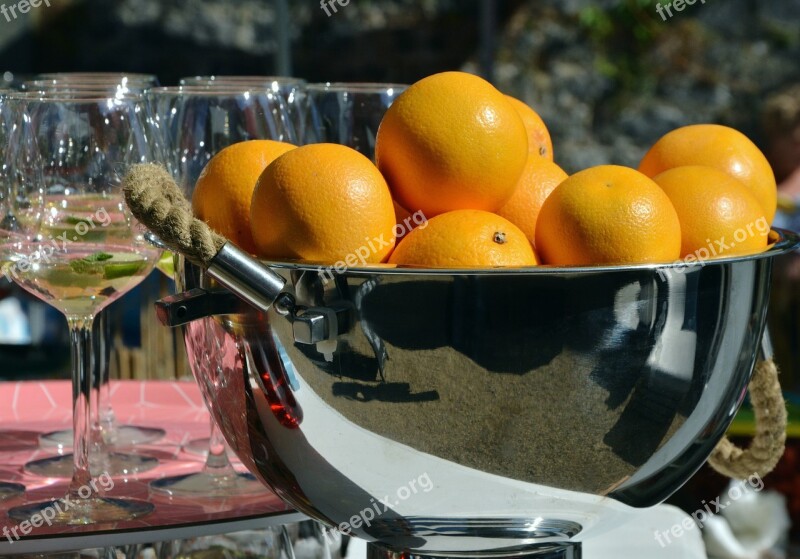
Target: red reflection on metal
[274, 380]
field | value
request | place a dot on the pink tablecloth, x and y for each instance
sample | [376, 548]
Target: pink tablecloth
[30, 408]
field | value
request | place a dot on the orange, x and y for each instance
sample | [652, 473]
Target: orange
[539, 142]
[539, 179]
[607, 215]
[222, 194]
[323, 203]
[719, 215]
[465, 239]
[451, 141]
[720, 147]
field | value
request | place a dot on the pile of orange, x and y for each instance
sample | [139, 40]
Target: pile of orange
[464, 178]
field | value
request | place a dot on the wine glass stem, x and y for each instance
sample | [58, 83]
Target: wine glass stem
[83, 396]
[105, 418]
[217, 461]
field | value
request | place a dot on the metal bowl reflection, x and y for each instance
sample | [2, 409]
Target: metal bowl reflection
[455, 412]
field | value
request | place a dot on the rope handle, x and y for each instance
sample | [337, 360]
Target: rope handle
[767, 447]
[159, 204]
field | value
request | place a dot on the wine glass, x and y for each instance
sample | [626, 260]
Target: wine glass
[197, 122]
[102, 417]
[114, 434]
[7, 489]
[73, 151]
[292, 90]
[293, 93]
[146, 80]
[348, 113]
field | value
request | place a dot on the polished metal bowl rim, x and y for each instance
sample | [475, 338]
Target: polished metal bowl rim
[782, 241]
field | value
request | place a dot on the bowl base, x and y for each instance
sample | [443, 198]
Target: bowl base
[541, 551]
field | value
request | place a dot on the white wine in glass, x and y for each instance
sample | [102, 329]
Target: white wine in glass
[98, 219]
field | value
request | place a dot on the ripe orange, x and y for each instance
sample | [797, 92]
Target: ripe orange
[719, 215]
[223, 191]
[720, 147]
[539, 178]
[607, 215]
[451, 141]
[323, 203]
[539, 142]
[465, 239]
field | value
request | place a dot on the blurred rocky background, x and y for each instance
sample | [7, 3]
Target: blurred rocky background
[608, 76]
[611, 76]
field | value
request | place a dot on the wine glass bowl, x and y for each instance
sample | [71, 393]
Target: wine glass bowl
[292, 91]
[348, 113]
[501, 411]
[80, 279]
[196, 122]
[122, 78]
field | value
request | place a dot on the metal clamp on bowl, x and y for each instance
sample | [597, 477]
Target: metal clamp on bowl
[321, 326]
[249, 285]
[182, 308]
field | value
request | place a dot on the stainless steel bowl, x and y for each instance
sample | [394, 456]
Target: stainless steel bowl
[499, 411]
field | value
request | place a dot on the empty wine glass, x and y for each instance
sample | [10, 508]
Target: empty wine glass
[21, 206]
[124, 78]
[8, 490]
[197, 123]
[292, 90]
[348, 113]
[73, 152]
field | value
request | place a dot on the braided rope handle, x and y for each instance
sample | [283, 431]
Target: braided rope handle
[765, 450]
[158, 203]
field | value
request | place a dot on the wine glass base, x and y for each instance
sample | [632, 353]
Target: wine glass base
[204, 484]
[540, 551]
[132, 435]
[122, 435]
[197, 446]
[9, 490]
[73, 512]
[114, 464]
